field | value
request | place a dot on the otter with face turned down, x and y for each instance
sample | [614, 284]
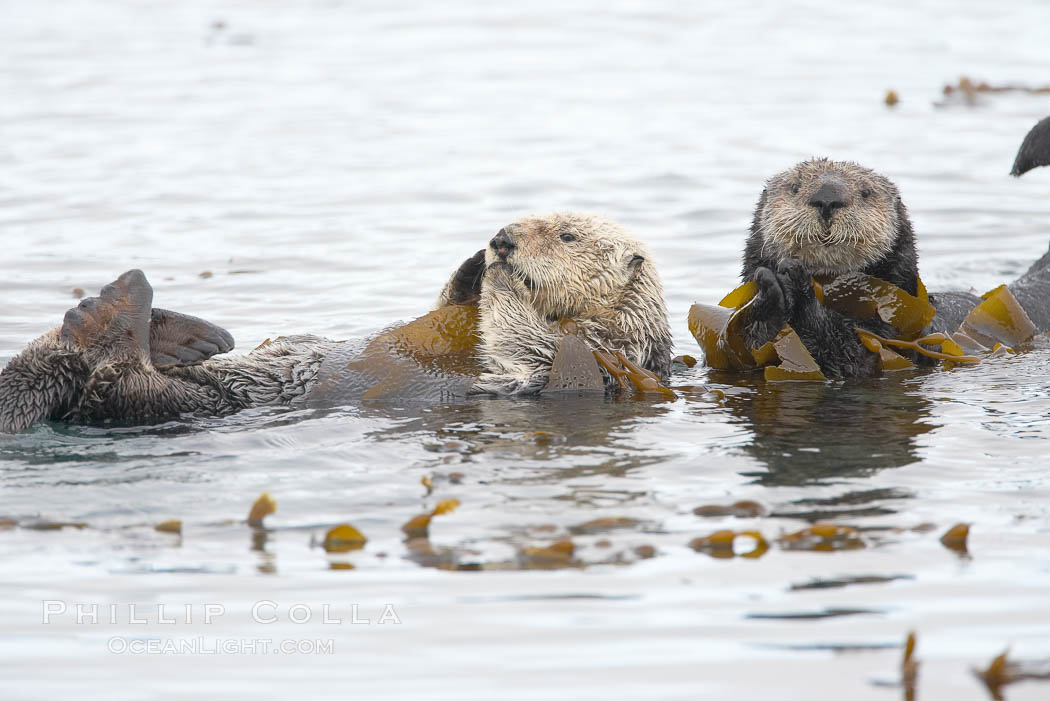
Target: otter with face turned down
[116, 359]
[827, 218]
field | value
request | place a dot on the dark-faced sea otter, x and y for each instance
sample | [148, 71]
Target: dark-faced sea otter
[824, 218]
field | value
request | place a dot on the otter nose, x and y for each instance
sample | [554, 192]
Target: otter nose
[828, 198]
[502, 243]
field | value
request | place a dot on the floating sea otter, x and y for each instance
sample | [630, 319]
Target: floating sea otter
[531, 312]
[832, 257]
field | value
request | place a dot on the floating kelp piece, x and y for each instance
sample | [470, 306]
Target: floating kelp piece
[446, 506]
[822, 537]
[720, 544]
[909, 666]
[263, 507]
[796, 363]
[863, 297]
[45, 524]
[999, 318]
[1002, 671]
[419, 526]
[740, 509]
[686, 360]
[955, 538]
[602, 525]
[343, 538]
[557, 555]
[172, 526]
[645, 552]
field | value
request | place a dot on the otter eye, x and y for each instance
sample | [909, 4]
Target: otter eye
[794, 188]
[567, 237]
[865, 193]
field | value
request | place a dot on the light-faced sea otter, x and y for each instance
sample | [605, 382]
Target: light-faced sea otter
[117, 359]
[541, 269]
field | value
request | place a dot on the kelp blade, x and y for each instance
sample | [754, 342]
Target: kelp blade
[999, 318]
[863, 297]
[796, 363]
[740, 296]
[714, 330]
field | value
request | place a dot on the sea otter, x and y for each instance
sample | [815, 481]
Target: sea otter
[1034, 150]
[540, 269]
[826, 218]
[116, 359]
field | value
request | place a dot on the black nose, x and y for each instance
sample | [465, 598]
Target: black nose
[828, 198]
[502, 243]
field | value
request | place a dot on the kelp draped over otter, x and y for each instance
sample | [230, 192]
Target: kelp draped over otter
[996, 325]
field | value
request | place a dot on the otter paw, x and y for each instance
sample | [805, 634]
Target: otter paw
[773, 302]
[178, 340]
[466, 283]
[796, 283]
[116, 321]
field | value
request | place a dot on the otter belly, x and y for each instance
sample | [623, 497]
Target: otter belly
[430, 359]
[350, 373]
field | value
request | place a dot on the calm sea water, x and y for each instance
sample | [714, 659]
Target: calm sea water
[329, 163]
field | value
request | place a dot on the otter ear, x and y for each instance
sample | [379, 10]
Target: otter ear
[635, 264]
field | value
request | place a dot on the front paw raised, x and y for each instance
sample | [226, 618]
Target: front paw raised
[781, 295]
[466, 283]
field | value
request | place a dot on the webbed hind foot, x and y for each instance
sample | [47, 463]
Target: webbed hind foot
[574, 369]
[117, 322]
[180, 340]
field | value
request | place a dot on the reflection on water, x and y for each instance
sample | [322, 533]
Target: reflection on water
[817, 432]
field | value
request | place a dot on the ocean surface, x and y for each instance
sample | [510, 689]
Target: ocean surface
[323, 166]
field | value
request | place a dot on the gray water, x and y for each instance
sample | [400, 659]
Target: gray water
[329, 164]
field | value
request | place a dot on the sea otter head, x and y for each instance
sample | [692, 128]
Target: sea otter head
[833, 216]
[577, 265]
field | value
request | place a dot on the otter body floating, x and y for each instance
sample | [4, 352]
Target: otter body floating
[116, 359]
[831, 256]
